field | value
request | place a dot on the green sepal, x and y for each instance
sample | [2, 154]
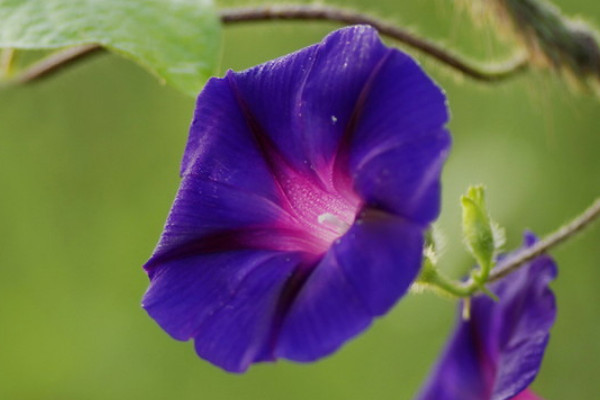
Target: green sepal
[478, 234]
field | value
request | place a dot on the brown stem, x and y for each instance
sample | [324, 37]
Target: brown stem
[61, 59]
[56, 62]
[326, 13]
[510, 264]
[436, 280]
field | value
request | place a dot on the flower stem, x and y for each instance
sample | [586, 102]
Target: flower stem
[309, 12]
[510, 264]
[317, 12]
[435, 279]
[431, 278]
[55, 62]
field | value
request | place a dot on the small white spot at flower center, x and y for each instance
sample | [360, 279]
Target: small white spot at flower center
[334, 223]
[333, 119]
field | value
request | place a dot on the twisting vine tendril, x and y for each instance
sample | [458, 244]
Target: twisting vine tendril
[230, 16]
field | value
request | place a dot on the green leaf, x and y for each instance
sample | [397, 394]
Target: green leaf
[177, 40]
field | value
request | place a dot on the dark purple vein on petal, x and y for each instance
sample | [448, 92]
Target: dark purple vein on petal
[233, 293]
[270, 153]
[254, 238]
[340, 164]
[297, 112]
[287, 298]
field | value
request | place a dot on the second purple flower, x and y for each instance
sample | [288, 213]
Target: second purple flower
[497, 353]
[308, 183]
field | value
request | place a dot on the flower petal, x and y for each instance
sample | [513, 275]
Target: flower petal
[497, 353]
[304, 101]
[381, 256]
[221, 145]
[209, 215]
[401, 103]
[528, 315]
[263, 254]
[227, 302]
[398, 145]
[338, 78]
[325, 313]
[361, 277]
[405, 178]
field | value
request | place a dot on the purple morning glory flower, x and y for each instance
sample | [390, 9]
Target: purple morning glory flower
[497, 353]
[308, 182]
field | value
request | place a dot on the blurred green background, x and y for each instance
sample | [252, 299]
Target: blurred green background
[89, 166]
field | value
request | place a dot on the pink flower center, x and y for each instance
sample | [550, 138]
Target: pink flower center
[319, 210]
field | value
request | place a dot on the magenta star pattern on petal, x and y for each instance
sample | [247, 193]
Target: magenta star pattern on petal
[308, 183]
